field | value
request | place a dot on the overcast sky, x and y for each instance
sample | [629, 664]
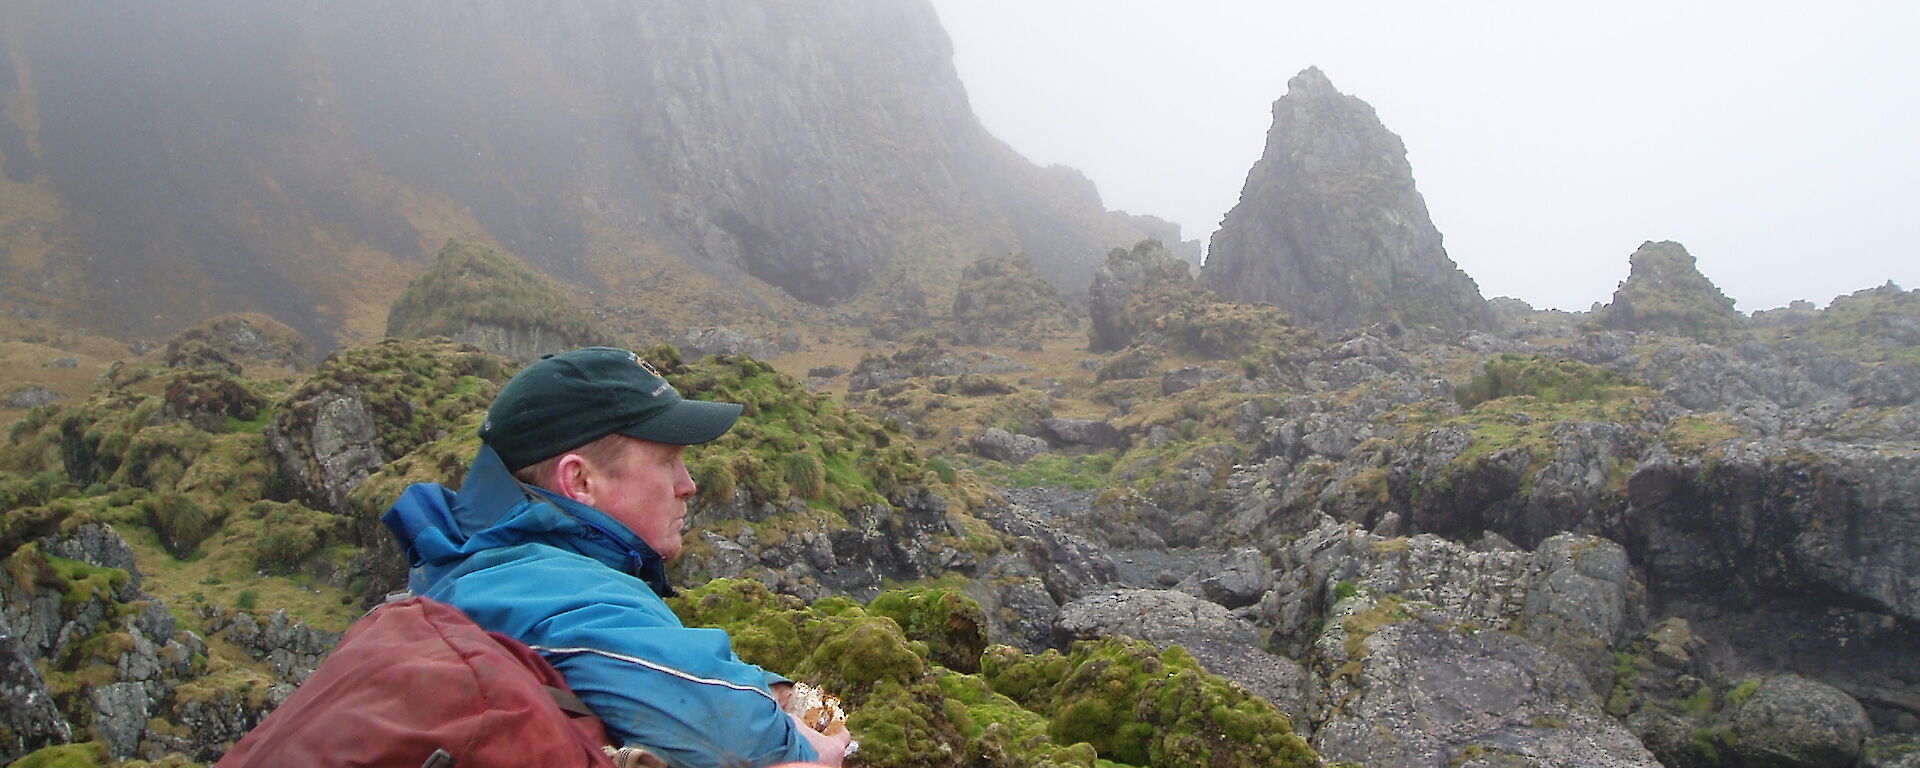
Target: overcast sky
[1777, 141]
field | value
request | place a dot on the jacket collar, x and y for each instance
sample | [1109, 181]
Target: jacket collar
[494, 509]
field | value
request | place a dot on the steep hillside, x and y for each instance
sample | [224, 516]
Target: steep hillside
[1330, 228]
[163, 163]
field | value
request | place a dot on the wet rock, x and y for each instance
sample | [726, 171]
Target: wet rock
[98, 545]
[291, 647]
[1582, 601]
[1901, 750]
[1066, 563]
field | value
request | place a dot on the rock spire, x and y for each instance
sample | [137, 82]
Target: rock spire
[1330, 228]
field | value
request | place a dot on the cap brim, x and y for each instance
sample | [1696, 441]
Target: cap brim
[688, 422]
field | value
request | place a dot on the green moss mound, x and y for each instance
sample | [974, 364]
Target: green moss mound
[1665, 292]
[845, 458]
[90, 754]
[1550, 379]
[472, 284]
[951, 624]
[414, 390]
[1112, 701]
[1143, 706]
[237, 340]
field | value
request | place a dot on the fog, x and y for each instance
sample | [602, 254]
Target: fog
[1774, 140]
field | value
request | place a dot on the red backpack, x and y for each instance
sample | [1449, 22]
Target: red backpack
[416, 684]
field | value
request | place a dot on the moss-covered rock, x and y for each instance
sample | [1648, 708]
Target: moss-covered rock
[1664, 292]
[1143, 706]
[1002, 300]
[949, 622]
[481, 296]
[236, 340]
[89, 754]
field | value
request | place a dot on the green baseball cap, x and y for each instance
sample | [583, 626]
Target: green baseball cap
[565, 401]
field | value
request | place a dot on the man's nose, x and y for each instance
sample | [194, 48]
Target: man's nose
[683, 487]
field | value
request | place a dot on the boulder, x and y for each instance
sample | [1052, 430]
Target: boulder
[1793, 722]
[1000, 445]
[1187, 377]
[1098, 435]
[1242, 579]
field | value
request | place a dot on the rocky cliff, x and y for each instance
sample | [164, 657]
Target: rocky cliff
[1330, 228]
[165, 163]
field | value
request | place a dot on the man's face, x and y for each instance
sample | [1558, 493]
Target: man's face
[647, 489]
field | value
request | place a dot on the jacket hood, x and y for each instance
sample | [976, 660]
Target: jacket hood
[440, 529]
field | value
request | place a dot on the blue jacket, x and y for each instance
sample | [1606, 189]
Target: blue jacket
[585, 591]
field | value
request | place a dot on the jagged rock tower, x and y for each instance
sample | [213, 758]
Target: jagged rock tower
[1330, 228]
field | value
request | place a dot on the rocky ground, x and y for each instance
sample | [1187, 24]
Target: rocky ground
[1552, 545]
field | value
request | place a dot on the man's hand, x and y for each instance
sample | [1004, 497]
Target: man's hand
[782, 692]
[832, 748]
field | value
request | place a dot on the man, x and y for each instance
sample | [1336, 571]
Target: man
[559, 537]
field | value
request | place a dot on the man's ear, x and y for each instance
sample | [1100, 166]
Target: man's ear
[573, 478]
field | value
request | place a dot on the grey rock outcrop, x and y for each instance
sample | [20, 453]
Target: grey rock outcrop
[1330, 228]
[344, 448]
[1422, 691]
[524, 344]
[29, 720]
[695, 343]
[1163, 617]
